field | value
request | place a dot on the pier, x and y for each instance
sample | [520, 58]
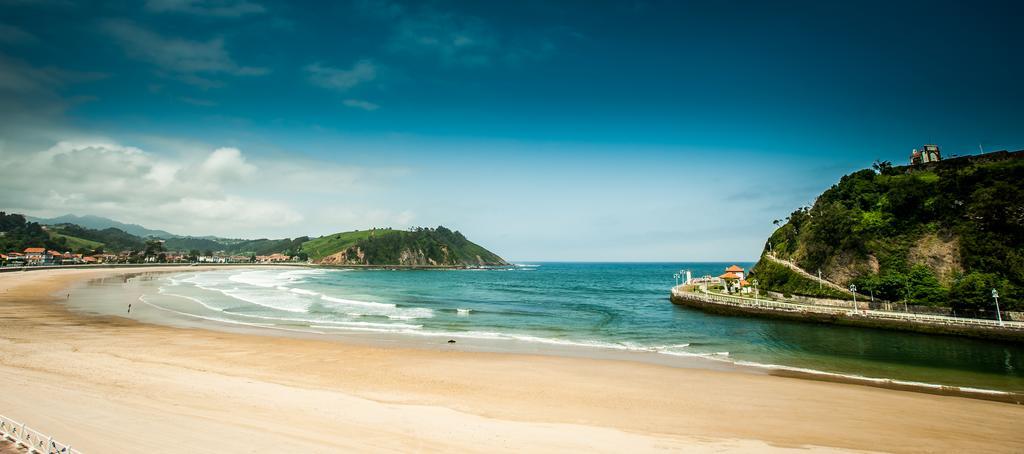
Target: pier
[727, 304]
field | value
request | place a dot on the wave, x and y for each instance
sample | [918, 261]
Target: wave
[336, 325]
[273, 278]
[142, 298]
[679, 350]
[274, 289]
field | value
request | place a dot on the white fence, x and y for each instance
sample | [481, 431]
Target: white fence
[740, 301]
[31, 439]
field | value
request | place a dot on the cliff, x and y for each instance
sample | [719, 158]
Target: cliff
[942, 234]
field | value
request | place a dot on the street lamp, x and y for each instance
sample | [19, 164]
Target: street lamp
[995, 296]
[676, 276]
[756, 299]
[853, 289]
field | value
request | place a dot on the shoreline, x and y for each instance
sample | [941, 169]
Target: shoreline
[615, 404]
[517, 344]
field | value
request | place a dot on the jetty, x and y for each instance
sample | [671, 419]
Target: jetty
[855, 314]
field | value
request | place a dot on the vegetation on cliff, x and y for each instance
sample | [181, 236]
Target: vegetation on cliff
[421, 246]
[941, 235]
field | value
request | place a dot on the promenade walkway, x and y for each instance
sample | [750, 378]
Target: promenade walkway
[802, 272]
[761, 305]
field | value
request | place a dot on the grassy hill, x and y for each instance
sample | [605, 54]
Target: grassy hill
[74, 243]
[943, 234]
[326, 245]
[111, 239]
[421, 246]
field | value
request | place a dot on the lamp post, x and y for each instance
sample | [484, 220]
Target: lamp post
[999, 315]
[853, 288]
[756, 299]
[676, 276]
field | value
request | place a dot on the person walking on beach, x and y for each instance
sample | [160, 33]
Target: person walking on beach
[129, 308]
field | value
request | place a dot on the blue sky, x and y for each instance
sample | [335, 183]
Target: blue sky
[543, 130]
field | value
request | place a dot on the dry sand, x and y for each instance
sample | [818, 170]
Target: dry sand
[110, 384]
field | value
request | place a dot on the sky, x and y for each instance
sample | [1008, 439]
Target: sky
[542, 130]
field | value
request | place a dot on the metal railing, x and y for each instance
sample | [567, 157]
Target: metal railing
[741, 301]
[31, 439]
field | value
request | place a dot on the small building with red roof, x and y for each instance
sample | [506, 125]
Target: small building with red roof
[734, 278]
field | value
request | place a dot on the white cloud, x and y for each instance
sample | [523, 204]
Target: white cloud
[226, 164]
[183, 57]
[215, 8]
[193, 188]
[360, 104]
[342, 79]
[128, 183]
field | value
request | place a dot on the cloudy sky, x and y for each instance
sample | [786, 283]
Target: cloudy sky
[543, 130]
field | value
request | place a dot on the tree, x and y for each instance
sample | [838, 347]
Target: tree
[153, 248]
[882, 167]
[973, 292]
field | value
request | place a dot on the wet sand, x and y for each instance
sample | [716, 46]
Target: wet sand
[111, 384]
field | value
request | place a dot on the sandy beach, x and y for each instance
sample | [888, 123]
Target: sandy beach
[111, 384]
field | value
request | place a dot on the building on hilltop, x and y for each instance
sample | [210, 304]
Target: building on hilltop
[927, 153]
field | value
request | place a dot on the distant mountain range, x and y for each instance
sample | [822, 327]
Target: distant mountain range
[100, 223]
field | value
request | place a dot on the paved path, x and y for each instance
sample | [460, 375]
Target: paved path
[810, 276]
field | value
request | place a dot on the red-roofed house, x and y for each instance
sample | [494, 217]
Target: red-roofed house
[35, 255]
[733, 278]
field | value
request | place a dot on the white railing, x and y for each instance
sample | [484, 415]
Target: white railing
[740, 301]
[33, 440]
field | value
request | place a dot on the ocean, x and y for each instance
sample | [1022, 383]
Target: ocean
[589, 309]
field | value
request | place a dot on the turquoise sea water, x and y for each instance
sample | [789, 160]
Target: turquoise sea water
[620, 307]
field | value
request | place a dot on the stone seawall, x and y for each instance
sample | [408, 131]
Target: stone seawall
[848, 317]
